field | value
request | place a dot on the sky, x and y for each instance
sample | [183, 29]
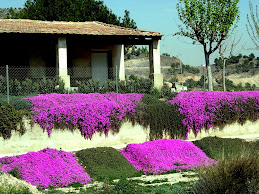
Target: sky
[161, 16]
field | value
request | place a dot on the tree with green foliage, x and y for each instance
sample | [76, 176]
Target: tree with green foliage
[174, 68]
[253, 25]
[144, 50]
[257, 63]
[166, 54]
[251, 57]
[207, 22]
[190, 69]
[72, 10]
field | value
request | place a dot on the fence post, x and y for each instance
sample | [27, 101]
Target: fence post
[7, 83]
[117, 89]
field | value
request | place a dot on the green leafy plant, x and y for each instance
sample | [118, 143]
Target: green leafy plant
[169, 189]
[15, 173]
[155, 92]
[167, 93]
[127, 186]
[14, 189]
[237, 175]
[28, 86]
[11, 119]
[163, 118]
[89, 86]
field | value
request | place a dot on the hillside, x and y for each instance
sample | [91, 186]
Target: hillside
[4, 12]
[140, 66]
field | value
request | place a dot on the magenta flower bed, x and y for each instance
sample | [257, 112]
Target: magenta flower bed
[89, 112]
[200, 108]
[165, 155]
[47, 167]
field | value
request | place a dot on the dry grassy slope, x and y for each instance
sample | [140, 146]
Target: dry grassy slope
[140, 66]
[243, 78]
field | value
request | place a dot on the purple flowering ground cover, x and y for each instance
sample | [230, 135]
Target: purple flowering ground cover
[47, 167]
[165, 155]
[89, 112]
[202, 109]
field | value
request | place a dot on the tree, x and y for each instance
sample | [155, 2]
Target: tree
[251, 56]
[207, 22]
[253, 25]
[144, 50]
[127, 22]
[222, 52]
[72, 10]
[166, 54]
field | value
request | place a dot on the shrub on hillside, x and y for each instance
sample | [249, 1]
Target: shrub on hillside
[237, 175]
[105, 163]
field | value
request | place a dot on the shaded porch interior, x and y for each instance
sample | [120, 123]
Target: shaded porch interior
[72, 57]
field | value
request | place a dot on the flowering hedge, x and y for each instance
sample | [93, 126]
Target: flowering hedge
[164, 155]
[47, 167]
[89, 112]
[208, 109]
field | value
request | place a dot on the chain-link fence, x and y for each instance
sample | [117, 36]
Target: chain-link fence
[17, 83]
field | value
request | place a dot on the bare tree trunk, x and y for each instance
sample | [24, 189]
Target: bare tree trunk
[224, 75]
[207, 60]
[210, 79]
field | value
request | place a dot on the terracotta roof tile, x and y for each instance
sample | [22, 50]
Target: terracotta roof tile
[60, 27]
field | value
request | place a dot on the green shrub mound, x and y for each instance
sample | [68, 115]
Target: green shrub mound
[225, 148]
[237, 175]
[163, 118]
[105, 163]
[11, 119]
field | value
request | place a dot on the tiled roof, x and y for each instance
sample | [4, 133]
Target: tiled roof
[60, 27]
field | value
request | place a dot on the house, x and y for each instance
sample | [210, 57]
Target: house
[75, 50]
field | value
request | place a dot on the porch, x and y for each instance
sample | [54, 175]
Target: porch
[74, 50]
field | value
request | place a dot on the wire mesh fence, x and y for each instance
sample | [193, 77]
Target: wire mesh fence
[17, 83]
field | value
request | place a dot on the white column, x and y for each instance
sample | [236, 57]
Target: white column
[118, 59]
[62, 61]
[154, 61]
[122, 65]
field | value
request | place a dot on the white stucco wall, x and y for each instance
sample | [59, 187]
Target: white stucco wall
[250, 130]
[34, 139]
